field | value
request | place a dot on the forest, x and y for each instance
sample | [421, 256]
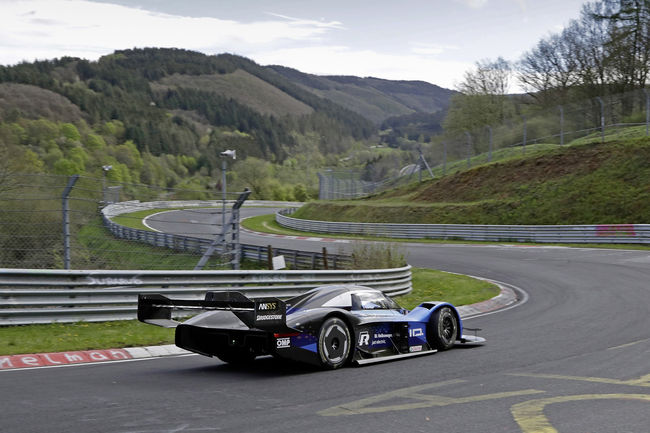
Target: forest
[162, 116]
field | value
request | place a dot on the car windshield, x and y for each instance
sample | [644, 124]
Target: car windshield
[354, 299]
[372, 300]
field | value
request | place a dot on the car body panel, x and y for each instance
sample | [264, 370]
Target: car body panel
[235, 325]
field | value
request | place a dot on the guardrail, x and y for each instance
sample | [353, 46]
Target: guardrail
[29, 296]
[295, 258]
[593, 234]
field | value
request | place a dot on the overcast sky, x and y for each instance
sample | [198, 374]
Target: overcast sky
[434, 40]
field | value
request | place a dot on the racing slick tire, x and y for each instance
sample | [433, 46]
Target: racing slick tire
[334, 343]
[237, 356]
[442, 329]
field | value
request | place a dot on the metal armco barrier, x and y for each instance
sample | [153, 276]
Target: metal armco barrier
[297, 259]
[29, 296]
[592, 234]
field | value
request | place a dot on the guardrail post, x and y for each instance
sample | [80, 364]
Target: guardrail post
[325, 266]
[66, 220]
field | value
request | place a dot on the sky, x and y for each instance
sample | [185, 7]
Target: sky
[429, 40]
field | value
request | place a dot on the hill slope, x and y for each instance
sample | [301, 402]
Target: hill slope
[373, 98]
[580, 184]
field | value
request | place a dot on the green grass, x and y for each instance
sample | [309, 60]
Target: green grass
[61, 337]
[428, 285]
[97, 249]
[432, 285]
[134, 219]
[590, 183]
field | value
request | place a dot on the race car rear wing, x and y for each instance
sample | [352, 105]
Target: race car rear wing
[267, 314]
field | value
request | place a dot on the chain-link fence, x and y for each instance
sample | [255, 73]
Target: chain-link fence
[610, 117]
[42, 227]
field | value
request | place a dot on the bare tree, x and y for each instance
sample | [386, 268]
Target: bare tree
[483, 99]
[490, 77]
[628, 23]
[548, 71]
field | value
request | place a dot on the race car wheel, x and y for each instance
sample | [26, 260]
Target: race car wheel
[333, 343]
[442, 329]
[236, 356]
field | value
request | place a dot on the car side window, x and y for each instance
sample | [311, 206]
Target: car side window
[344, 300]
[373, 301]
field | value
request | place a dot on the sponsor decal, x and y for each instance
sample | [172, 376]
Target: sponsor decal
[133, 281]
[267, 306]
[383, 336]
[416, 332]
[269, 317]
[378, 342]
[62, 358]
[413, 349]
[283, 343]
[615, 230]
[364, 338]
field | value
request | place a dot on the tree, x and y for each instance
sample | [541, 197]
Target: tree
[548, 71]
[628, 46]
[491, 77]
[483, 99]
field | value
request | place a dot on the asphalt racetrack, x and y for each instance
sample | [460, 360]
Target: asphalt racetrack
[574, 358]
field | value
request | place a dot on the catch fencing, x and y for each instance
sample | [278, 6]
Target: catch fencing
[193, 245]
[609, 117]
[566, 234]
[29, 296]
[38, 231]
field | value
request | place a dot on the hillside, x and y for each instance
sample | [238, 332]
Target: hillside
[34, 102]
[578, 184]
[373, 98]
[239, 86]
[141, 87]
[162, 116]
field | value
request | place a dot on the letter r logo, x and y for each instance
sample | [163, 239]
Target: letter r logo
[364, 338]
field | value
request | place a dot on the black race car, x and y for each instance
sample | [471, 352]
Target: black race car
[328, 326]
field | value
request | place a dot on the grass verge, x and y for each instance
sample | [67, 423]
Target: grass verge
[61, 337]
[428, 285]
[267, 224]
[433, 285]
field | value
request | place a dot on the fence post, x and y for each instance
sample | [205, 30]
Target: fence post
[469, 146]
[602, 119]
[561, 124]
[325, 265]
[647, 111]
[66, 220]
[489, 128]
[524, 143]
[444, 158]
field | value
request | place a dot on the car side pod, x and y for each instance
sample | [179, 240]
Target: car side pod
[470, 340]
